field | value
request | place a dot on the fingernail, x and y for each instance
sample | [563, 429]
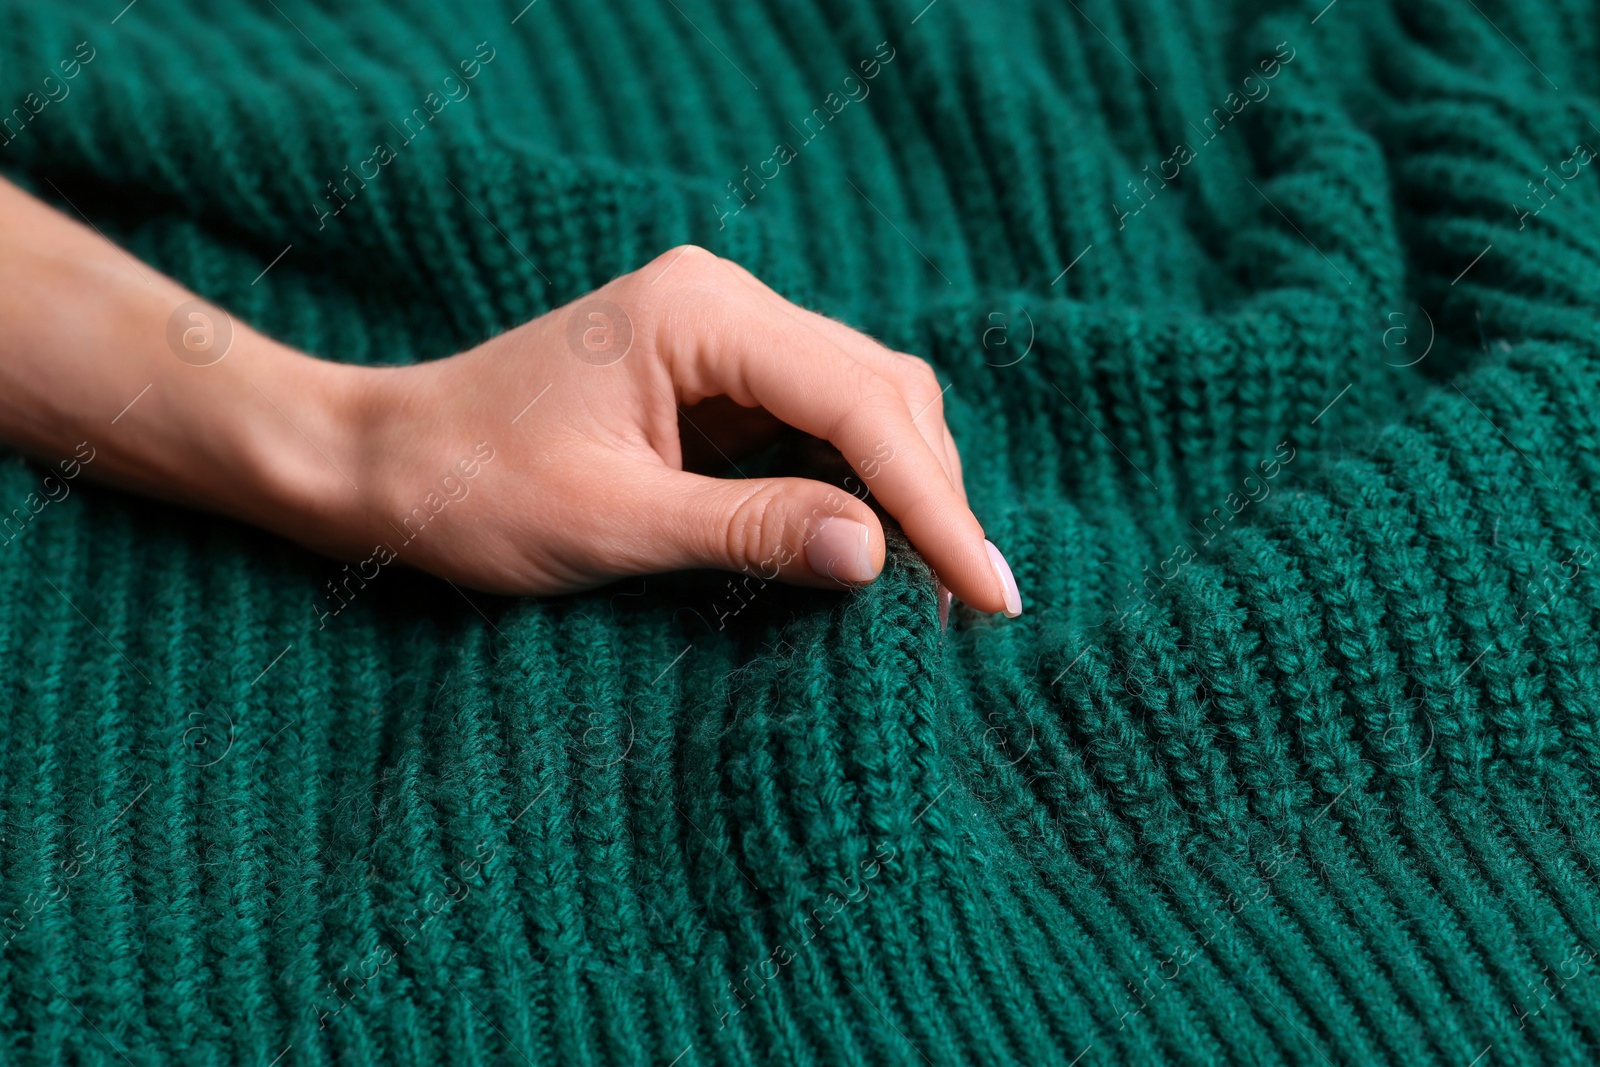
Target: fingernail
[841, 550]
[945, 600]
[1003, 570]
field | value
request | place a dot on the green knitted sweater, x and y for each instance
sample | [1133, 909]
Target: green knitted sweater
[1270, 337]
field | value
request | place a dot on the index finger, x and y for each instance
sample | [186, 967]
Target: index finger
[739, 346]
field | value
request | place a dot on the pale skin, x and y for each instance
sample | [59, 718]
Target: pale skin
[586, 486]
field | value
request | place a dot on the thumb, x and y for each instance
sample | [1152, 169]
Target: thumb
[794, 529]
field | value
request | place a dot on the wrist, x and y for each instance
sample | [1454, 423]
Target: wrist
[310, 473]
[170, 396]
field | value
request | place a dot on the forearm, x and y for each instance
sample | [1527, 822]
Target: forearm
[86, 356]
[181, 402]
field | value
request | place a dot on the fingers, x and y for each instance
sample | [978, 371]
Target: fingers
[787, 529]
[914, 377]
[741, 343]
[954, 455]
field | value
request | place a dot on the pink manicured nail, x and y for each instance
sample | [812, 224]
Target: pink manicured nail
[1002, 569]
[842, 550]
[945, 600]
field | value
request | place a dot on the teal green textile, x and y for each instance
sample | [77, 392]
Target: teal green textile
[1271, 341]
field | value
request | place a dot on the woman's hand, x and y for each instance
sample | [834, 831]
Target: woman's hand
[546, 460]
[551, 458]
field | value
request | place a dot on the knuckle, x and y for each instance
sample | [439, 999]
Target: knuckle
[688, 261]
[919, 367]
[679, 302]
[925, 390]
[668, 278]
[692, 281]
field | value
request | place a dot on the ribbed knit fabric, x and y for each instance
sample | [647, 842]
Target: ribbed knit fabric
[1284, 406]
